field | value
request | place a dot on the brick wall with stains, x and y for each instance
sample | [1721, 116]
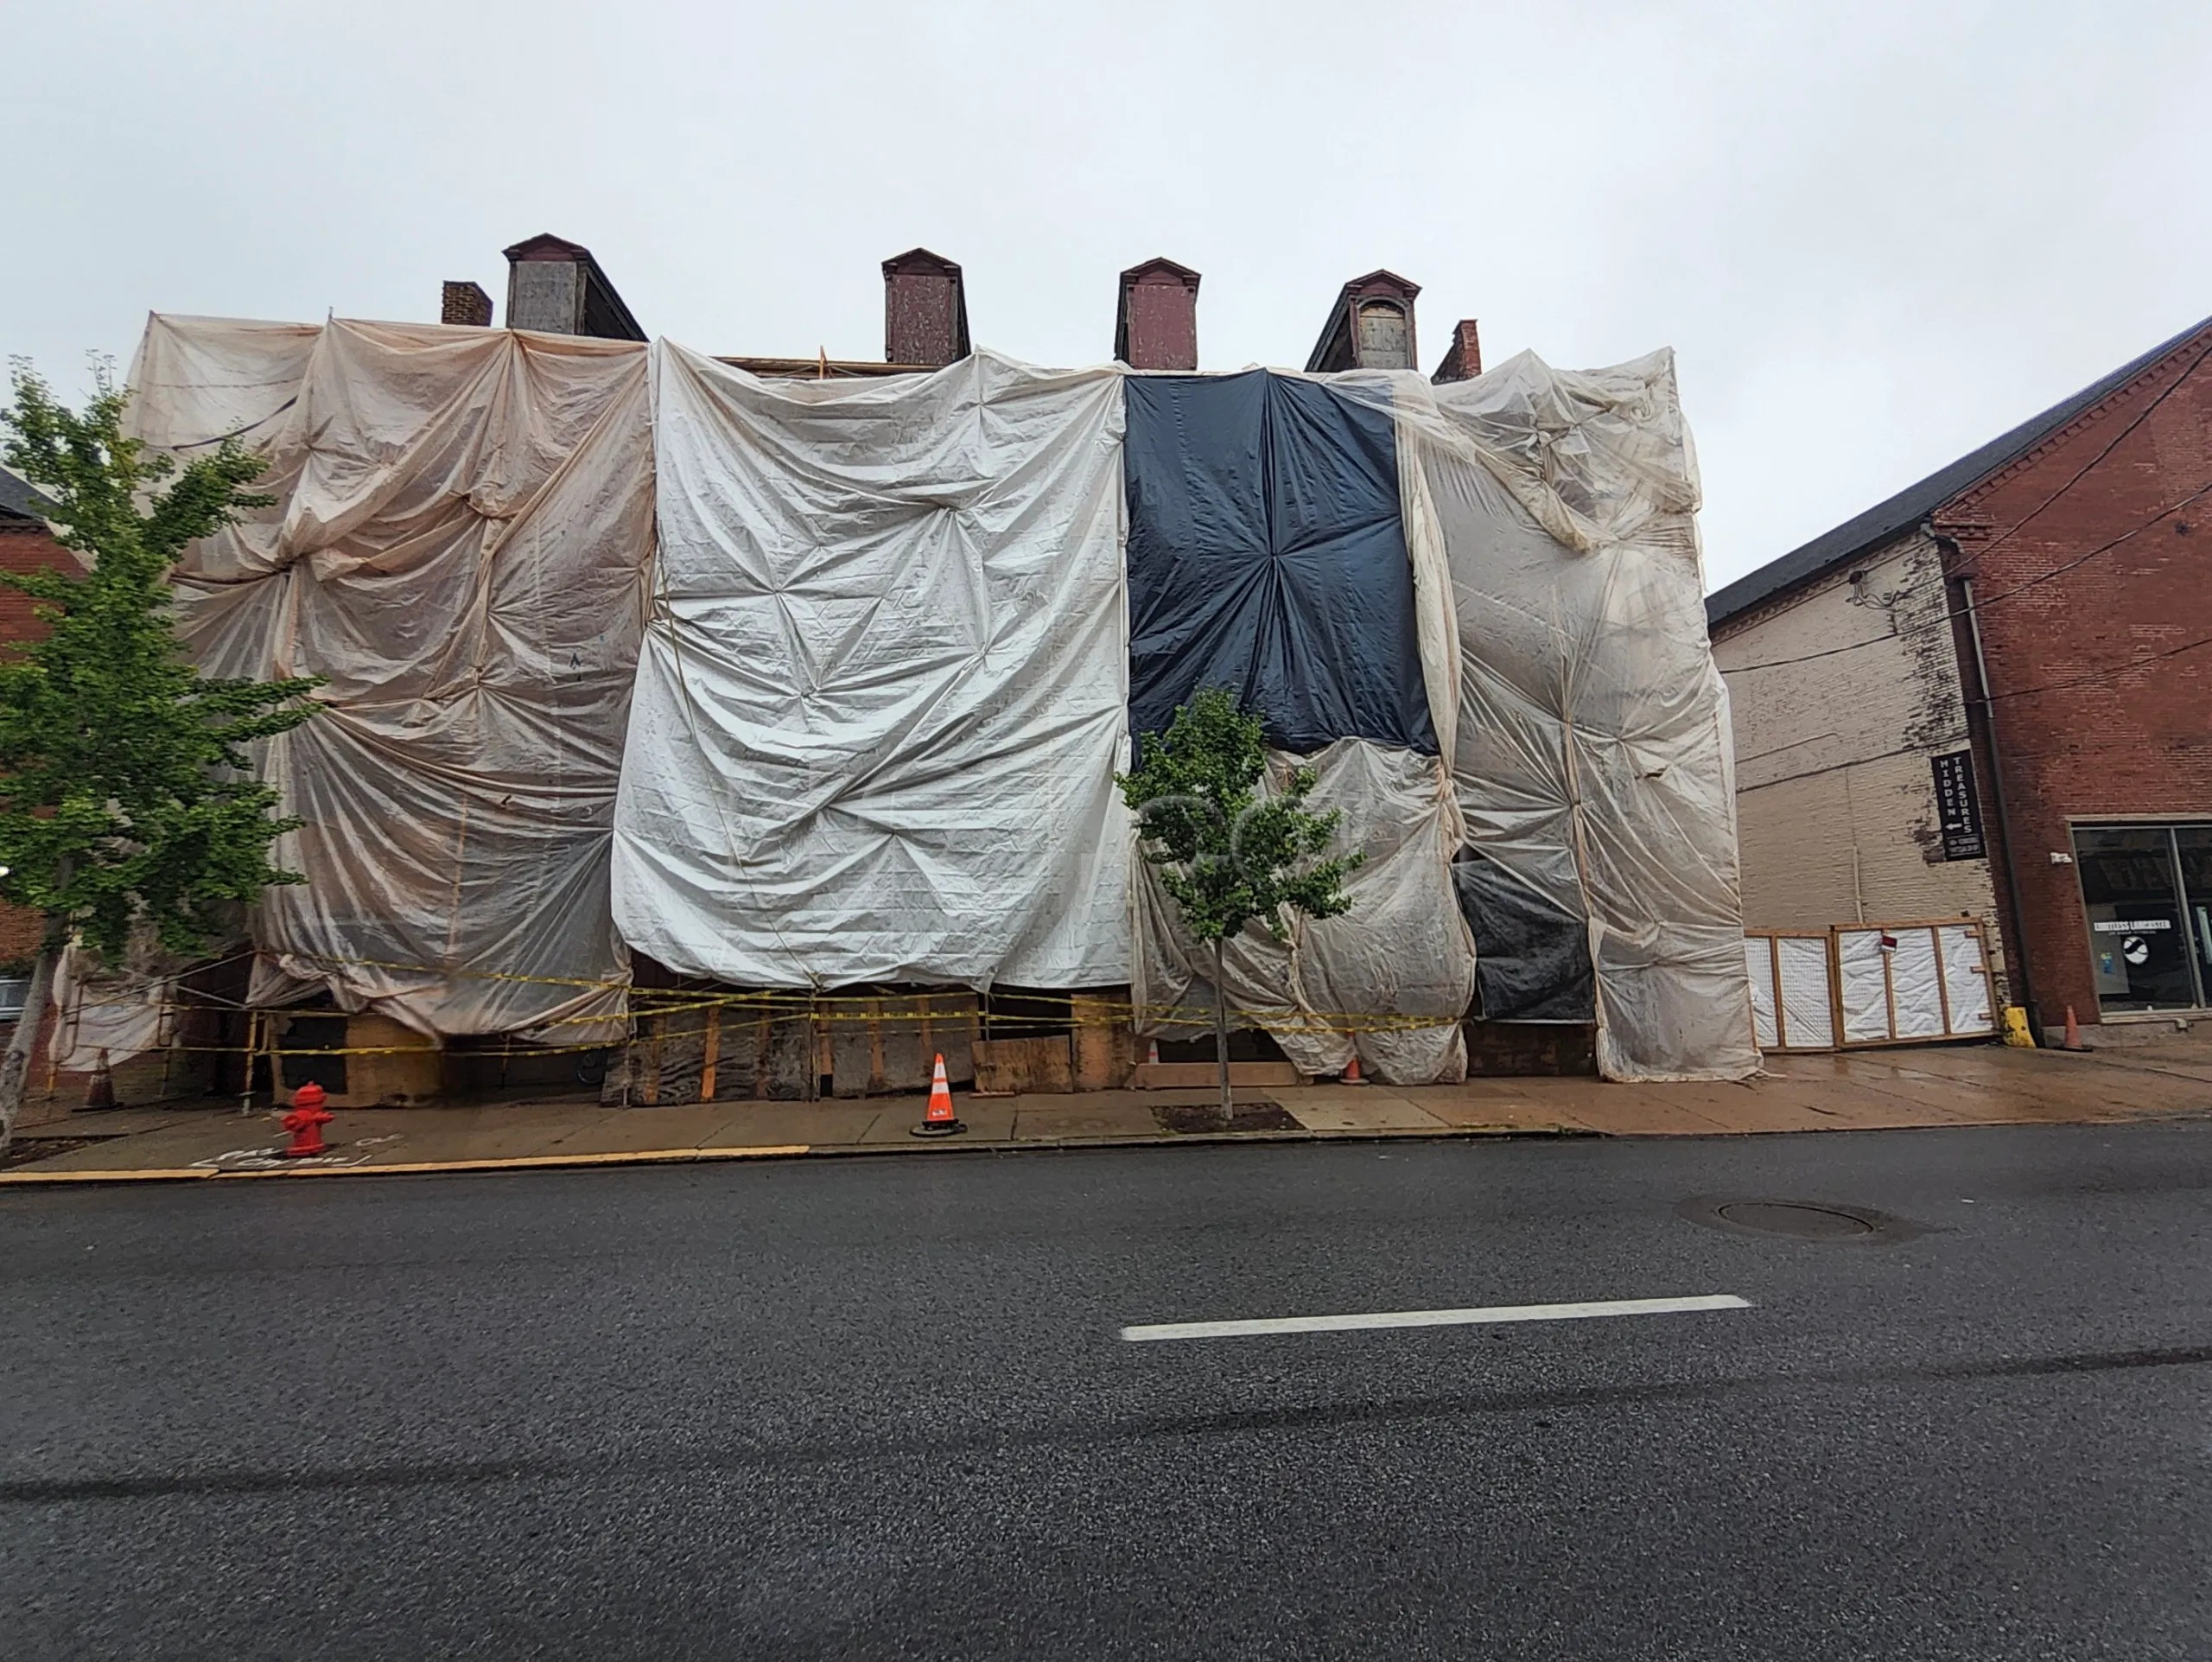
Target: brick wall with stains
[2101, 671]
[23, 548]
[1836, 815]
[29, 548]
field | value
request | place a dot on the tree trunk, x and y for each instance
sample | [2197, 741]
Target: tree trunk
[15, 1070]
[1221, 1034]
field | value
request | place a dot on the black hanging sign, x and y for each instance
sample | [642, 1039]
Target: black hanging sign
[1957, 809]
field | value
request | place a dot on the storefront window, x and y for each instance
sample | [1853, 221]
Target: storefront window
[2193, 846]
[2143, 944]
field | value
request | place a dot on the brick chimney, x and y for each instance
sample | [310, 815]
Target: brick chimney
[1370, 327]
[466, 302]
[1157, 326]
[1463, 359]
[555, 286]
[925, 310]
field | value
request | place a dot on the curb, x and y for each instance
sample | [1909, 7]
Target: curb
[407, 1168]
[27, 1179]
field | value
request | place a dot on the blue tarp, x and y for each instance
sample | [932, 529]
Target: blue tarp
[1265, 554]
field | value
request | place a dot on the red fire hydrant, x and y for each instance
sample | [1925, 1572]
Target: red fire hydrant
[305, 1122]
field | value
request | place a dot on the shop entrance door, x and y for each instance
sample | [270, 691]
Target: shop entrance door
[2142, 943]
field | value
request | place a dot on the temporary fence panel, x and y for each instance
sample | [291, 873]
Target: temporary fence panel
[1898, 983]
[883, 693]
[1806, 978]
[1969, 999]
[458, 546]
[1765, 978]
[1792, 989]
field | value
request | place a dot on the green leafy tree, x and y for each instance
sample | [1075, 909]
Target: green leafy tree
[126, 802]
[1226, 853]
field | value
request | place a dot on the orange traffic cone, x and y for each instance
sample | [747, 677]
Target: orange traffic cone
[1352, 1075]
[1152, 1054]
[2073, 1030]
[939, 1121]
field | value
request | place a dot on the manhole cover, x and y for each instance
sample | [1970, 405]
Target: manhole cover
[1796, 1220]
[1785, 1218]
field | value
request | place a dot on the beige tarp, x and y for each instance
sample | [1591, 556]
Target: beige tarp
[459, 545]
[462, 546]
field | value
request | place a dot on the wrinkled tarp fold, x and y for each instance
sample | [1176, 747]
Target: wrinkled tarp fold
[1266, 554]
[883, 694]
[1591, 748]
[1391, 977]
[459, 545]
[895, 649]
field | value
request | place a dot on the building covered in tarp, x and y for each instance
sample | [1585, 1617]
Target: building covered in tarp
[802, 685]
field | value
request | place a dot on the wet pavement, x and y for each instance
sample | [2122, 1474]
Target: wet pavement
[1893, 1089]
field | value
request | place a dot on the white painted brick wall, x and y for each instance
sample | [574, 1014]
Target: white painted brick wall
[1836, 799]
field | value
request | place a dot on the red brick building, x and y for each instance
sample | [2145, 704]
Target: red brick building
[25, 545]
[2065, 559]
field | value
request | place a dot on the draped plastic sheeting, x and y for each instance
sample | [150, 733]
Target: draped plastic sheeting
[1267, 555]
[1400, 952]
[889, 672]
[1591, 745]
[883, 694]
[459, 546]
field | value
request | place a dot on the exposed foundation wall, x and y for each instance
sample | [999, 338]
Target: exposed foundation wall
[1836, 797]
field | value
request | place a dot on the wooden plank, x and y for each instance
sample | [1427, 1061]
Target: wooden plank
[1105, 1044]
[712, 1054]
[786, 1071]
[1942, 980]
[1835, 987]
[1005, 1067]
[855, 1048]
[1781, 1023]
[679, 1057]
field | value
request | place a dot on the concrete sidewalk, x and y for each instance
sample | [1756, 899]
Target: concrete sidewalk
[1979, 1084]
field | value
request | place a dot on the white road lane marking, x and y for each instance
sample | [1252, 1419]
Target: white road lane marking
[1482, 1316]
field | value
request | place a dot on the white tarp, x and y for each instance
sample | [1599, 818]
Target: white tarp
[459, 546]
[1392, 977]
[1916, 986]
[885, 687]
[1591, 753]
[1862, 967]
[103, 1017]
[882, 692]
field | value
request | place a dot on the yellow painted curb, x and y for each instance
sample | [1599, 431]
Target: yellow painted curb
[516, 1163]
[124, 1175]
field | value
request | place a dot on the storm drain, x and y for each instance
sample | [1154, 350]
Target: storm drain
[1796, 1220]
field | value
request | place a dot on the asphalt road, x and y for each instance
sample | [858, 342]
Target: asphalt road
[882, 1407]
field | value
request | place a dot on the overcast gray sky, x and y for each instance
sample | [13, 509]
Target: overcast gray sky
[1877, 235]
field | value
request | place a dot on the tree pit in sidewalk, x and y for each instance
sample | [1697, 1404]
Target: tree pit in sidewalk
[1259, 1114]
